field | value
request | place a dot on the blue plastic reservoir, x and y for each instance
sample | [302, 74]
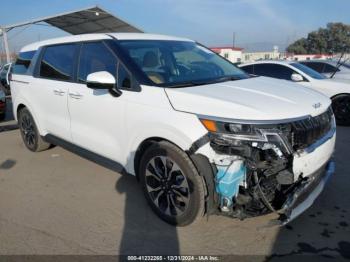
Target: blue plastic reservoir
[228, 179]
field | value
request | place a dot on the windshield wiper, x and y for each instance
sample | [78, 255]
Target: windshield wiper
[227, 78]
[199, 83]
[188, 84]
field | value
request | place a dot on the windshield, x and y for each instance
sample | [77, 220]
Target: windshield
[309, 71]
[180, 63]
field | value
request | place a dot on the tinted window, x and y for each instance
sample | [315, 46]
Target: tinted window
[315, 66]
[249, 69]
[23, 62]
[329, 69]
[273, 70]
[95, 57]
[58, 62]
[307, 70]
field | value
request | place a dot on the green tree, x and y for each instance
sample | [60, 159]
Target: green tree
[335, 38]
[298, 47]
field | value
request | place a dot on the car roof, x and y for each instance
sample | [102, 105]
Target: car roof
[278, 62]
[319, 61]
[90, 37]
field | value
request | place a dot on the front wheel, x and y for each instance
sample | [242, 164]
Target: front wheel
[341, 109]
[171, 184]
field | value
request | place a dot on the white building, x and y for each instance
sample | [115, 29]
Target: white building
[267, 55]
[236, 54]
[233, 54]
[289, 56]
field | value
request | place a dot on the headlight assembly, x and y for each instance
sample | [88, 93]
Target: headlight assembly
[233, 134]
[236, 131]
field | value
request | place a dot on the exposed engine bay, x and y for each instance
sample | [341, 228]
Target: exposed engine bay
[254, 165]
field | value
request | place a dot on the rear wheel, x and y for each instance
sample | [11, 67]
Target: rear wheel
[341, 109]
[171, 184]
[29, 132]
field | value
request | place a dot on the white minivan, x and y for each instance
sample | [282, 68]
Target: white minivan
[201, 136]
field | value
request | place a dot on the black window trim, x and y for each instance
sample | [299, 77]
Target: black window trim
[136, 87]
[40, 57]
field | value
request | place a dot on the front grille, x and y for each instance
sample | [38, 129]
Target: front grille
[307, 131]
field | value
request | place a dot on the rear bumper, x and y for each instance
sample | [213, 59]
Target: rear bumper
[305, 194]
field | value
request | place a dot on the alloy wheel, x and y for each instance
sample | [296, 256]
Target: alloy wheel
[28, 130]
[167, 186]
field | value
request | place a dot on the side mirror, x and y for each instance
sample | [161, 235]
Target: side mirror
[297, 78]
[103, 80]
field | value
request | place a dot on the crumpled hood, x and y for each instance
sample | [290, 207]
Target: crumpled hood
[258, 98]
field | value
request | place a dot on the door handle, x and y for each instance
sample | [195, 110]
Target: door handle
[75, 95]
[58, 92]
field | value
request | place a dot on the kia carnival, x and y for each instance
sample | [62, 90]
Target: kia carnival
[201, 136]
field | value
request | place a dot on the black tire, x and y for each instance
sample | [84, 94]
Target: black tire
[341, 109]
[29, 132]
[2, 116]
[185, 205]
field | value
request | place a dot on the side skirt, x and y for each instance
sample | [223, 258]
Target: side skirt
[96, 158]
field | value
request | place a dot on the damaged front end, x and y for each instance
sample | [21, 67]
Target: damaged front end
[266, 167]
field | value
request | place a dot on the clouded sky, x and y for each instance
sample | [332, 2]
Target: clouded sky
[211, 22]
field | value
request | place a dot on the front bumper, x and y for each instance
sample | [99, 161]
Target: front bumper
[306, 193]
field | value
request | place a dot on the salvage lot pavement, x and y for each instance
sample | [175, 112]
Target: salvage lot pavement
[56, 202]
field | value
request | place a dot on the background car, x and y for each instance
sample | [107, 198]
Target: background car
[2, 105]
[4, 77]
[330, 68]
[338, 91]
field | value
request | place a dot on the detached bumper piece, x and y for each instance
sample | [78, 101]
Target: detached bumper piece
[305, 194]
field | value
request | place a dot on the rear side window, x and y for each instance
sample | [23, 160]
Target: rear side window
[23, 62]
[58, 62]
[330, 69]
[273, 70]
[95, 57]
[315, 66]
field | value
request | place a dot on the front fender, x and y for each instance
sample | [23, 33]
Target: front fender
[182, 136]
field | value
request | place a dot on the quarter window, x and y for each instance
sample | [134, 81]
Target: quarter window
[95, 57]
[23, 62]
[58, 62]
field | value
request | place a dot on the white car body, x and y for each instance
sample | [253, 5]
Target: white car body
[115, 127]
